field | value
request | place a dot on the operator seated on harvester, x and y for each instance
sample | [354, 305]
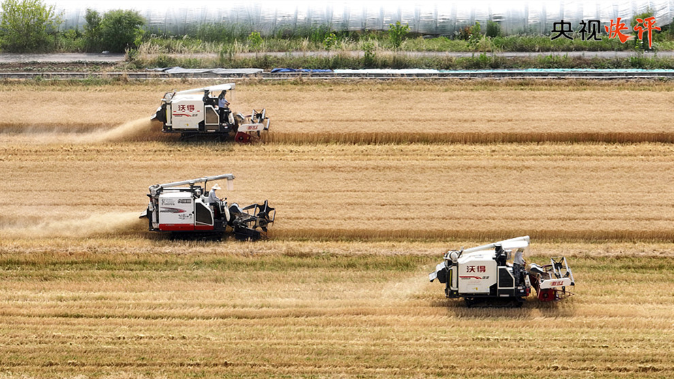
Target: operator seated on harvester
[223, 107]
[213, 200]
[518, 264]
[208, 99]
[219, 103]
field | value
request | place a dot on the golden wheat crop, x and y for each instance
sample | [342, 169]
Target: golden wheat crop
[389, 112]
[341, 289]
[581, 192]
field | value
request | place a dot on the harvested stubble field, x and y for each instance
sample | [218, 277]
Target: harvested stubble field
[117, 308]
[341, 288]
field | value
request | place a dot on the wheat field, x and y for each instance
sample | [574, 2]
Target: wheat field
[379, 112]
[574, 192]
[280, 309]
[340, 289]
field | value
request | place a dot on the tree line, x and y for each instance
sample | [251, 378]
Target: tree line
[33, 26]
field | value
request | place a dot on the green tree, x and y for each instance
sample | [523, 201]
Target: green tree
[330, 41]
[92, 30]
[255, 40]
[121, 30]
[27, 25]
[397, 33]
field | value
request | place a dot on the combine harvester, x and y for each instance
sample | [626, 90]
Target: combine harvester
[195, 113]
[483, 276]
[182, 209]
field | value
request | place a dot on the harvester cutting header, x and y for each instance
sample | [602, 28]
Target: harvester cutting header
[483, 274]
[198, 113]
[184, 208]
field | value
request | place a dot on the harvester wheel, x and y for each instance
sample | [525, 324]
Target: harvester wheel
[242, 137]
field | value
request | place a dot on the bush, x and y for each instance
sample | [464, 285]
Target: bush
[255, 40]
[370, 54]
[27, 25]
[69, 41]
[397, 33]
[475, 35]
[330, 42]
[464, 33]
[121, 30]
[493, 29]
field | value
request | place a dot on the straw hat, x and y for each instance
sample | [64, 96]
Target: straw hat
[215, 187]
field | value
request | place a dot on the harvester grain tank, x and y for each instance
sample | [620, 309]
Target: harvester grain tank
[183, 209]
[484, 275]
[196, 113]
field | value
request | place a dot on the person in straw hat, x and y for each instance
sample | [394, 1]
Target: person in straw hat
[213, 200]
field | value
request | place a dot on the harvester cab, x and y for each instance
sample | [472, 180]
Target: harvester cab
[205, 112]
[483, 275]
[186, 209]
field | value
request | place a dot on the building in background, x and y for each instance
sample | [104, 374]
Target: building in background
[429, 17]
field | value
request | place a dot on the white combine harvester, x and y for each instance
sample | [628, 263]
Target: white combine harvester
[182, 208]
[195, 113]
[483, 275]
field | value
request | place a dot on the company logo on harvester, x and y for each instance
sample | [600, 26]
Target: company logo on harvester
[590, 30]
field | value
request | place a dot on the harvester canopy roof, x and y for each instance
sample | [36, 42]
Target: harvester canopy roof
[229, 177]
[216, 88]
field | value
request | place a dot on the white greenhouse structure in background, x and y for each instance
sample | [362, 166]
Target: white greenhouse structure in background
[425, 17]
